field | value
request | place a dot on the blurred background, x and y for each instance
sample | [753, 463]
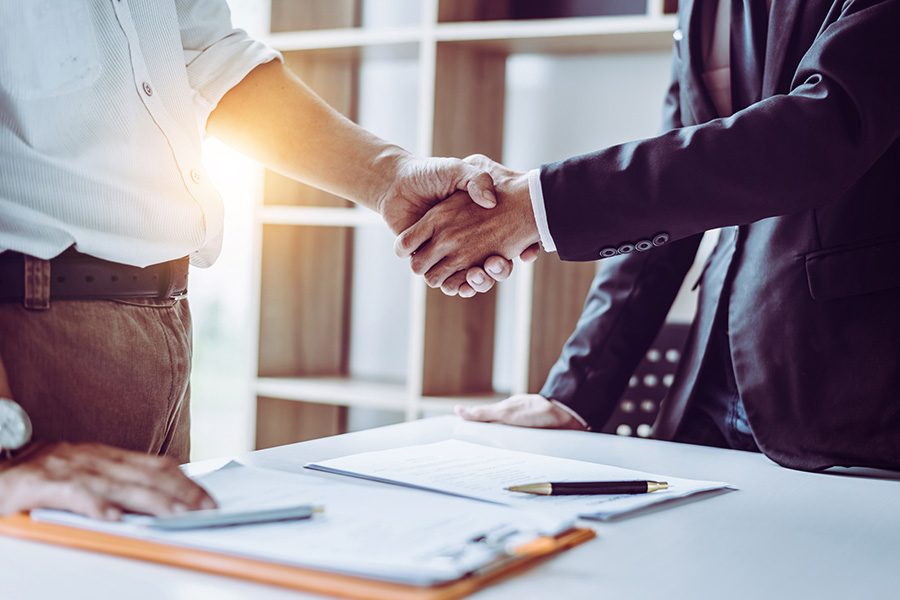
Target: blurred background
[308, 325]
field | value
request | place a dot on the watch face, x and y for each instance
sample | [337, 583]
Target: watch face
[15, 426]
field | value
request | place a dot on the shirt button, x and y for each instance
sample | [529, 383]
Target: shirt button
[626, 249]
[608, 252]
[195, 175]
[660, 239]
[643, 245]
[147, 88]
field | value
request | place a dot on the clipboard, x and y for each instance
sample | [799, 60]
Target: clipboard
[308, 580]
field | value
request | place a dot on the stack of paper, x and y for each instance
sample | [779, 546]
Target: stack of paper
[410, 536]
[482, 472]
[389, 534]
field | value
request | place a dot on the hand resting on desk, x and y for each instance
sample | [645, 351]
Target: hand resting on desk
[523, 410]
[98, 481]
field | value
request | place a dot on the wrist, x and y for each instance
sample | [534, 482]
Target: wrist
[385, 170]
[571, 419]
[519, 193]
[536, 192]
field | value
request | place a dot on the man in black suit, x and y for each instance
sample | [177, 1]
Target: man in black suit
[795, 349]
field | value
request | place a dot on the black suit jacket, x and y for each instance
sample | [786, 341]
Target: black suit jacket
[811, 174]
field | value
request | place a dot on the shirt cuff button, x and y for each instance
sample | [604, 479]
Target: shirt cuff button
[608, 252]
[643, 245]
[626, 249]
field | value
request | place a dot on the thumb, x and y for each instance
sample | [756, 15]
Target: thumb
[479, 184]
[477, 413]
[530, 254]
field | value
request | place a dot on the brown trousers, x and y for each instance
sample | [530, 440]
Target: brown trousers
[115, 372]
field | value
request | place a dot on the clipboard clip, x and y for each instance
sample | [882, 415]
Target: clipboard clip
[496, 548]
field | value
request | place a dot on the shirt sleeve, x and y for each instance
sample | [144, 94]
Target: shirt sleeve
[540, 213]
[572, 414]
[217, 56]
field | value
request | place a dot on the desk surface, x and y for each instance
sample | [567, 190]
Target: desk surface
[784, 534]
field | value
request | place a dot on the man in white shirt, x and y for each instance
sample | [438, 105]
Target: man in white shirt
[104, 199]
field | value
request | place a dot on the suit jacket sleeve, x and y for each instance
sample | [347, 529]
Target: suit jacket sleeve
[627, 303]
[788, 153]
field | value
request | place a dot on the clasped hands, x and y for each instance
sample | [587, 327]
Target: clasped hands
[464, 242]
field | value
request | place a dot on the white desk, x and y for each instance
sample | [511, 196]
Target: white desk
[785, 534]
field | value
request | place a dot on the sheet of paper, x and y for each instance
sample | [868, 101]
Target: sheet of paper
[384, 533]
[482, 472]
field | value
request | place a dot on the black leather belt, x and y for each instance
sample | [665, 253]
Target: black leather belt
[77, 276]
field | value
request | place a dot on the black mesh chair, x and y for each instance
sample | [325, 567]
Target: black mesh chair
[648, 386]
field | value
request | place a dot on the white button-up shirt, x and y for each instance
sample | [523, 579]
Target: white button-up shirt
[103, 105]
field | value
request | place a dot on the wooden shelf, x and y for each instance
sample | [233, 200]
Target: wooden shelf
[445, 404]
[582, 34]
[586, 34]
[320, 216]
[310, 245]
[337, 391]
[351, 37]
[345, 391]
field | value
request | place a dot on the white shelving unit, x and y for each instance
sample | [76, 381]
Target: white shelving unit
[461, 64]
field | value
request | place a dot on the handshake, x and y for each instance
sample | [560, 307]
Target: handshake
[460, 222]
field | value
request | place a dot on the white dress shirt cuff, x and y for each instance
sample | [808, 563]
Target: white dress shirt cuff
[572, 413]
[540, 212]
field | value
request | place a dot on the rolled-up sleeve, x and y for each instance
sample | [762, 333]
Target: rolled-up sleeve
[217, 56]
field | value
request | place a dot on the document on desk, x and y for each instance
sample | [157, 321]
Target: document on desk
[398, 535]
[482, 472]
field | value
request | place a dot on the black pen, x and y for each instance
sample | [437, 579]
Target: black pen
[577, 488]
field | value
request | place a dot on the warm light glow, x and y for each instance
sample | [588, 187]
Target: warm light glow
[224, 313]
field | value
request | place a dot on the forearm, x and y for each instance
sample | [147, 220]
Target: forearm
[278, 120]
[784, 155]
[625, 308]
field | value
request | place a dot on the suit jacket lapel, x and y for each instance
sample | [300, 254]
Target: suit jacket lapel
[701, 103]
[783, 16]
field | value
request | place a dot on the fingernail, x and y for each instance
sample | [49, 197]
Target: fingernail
[478, 278]
[113, 514]
[495, 269]
[490, 197]
[178, 507]
[208, 503]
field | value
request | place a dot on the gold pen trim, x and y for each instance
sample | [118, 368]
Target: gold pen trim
[541, 489]
[657, 486]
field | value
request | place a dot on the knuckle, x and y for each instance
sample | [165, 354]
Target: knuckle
[505, 413]
[73, 490]
[54, 463]
[451, 286]
[166, 463]
[417, 264]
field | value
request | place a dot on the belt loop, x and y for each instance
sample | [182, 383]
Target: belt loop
[176, 286]
[37, 283]
[168, 290]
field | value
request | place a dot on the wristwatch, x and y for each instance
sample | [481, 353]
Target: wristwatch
[15, 427]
